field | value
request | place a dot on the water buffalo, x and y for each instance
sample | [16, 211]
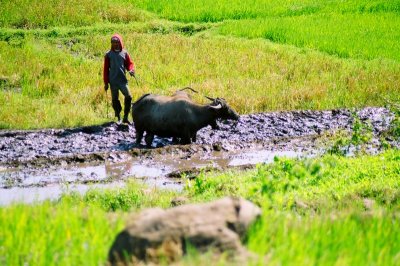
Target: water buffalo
[176, 116]
[182, 94]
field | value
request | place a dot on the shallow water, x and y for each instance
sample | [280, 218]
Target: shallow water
[49, 192]
[161, 173]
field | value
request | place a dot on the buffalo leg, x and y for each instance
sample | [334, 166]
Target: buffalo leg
[139, 136]
[186, 137]
[214, 124]
[149, 139]
[194, 137]
[185, 140]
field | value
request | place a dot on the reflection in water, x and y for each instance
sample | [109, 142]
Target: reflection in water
[87, 173]
[132, 168]
[262, 157]
[41, 184]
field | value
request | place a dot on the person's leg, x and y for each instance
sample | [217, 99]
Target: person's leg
[127, 101]
[116, 104]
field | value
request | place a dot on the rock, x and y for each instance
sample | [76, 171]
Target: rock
[155, 234]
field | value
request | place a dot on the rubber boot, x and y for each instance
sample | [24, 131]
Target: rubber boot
[127, 109]
[117, 109]
[125, 120]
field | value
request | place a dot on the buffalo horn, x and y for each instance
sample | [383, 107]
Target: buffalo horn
[219, 106]
[189, 88]
[211, 99]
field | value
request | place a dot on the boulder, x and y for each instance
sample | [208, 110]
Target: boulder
[155, 234]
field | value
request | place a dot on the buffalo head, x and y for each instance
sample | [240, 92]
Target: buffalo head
[223, 110]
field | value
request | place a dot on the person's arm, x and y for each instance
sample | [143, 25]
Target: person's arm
[129, 65]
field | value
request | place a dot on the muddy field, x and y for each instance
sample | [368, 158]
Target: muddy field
[44, 163]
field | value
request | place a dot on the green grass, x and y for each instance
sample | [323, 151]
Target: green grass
[76, 230]
[349, 35]
[330, 210]
[260, 56]
[56, 82]
[356, 29]
[212, 11]
[349, 239]
[291, 55]
[62, 234]
[51, 13]
[325, 183]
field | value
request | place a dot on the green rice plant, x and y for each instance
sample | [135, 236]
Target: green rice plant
[328, 210]
[340, 144]
[57, 82]
[310, 185]
[53, 76]
[394, 130]
[360, 135]
[75, 230]
[50, 13]
[62, 234]
[212, 11]
[362, 132]
[348, 35]
[331, 210]
[355, 29]
[204, 11]
[133, 196]
[350, 238]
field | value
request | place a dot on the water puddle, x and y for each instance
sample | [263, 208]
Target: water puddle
[158, 171]
[49, 192]
[253, 158]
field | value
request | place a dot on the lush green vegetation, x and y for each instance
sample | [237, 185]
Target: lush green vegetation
[331, 210]
[208, 10]
[57, 82]
[30, 14]
[355, 29]
[346, 35]
[308, 55]
[261, 55]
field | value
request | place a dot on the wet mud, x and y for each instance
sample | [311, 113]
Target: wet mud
[41, 162]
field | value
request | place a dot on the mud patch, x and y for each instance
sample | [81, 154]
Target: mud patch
[31, 161]
[95, 142]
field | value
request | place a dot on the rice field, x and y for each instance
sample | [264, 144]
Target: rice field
[330, 210]
[260, 55]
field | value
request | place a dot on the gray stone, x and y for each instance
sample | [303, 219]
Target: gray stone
[156, 233]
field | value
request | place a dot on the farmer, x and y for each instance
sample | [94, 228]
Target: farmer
[116, 62]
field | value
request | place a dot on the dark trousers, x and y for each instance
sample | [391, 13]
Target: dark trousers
[116, 104]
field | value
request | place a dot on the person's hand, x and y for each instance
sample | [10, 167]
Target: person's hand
[106, 87]
[132, 73]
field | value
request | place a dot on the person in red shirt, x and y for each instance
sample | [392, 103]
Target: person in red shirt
[116, 62]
